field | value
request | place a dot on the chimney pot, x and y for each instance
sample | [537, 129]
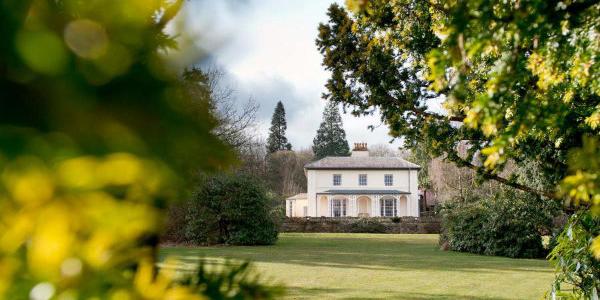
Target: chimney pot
[360, 147]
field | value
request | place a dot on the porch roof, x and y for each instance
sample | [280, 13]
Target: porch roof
[365, 192]
[300, 196]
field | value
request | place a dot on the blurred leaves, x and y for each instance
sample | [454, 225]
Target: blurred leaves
[42, 51]
[583, 185]
[213, 277]
[97, 135]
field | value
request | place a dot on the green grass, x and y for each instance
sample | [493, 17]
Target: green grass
[378, 266]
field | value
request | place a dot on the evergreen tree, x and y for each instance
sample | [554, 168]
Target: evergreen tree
[277, 140]
[331, 137]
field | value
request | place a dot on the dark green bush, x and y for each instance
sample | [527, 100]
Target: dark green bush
[396, 219]
[508, 224]
[231, 209]
[367, 225]
[577, 271]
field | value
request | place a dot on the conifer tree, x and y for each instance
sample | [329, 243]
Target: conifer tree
[331, 137]
[277, 140]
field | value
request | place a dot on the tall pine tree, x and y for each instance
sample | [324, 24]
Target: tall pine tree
[277, 140]
[331, 137]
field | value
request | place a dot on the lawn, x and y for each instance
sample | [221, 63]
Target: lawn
[377, 266]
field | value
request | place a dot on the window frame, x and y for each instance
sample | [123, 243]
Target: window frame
[339, 207]
[391, 207]
[339, 181]
[391, 179]
[360, 179]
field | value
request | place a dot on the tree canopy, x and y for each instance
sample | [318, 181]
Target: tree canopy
[277, 140]
[509, 90]
[518, 82]
[331, 137]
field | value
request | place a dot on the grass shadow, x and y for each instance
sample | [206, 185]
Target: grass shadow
[372, 266]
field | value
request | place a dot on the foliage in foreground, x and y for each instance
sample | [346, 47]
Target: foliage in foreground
[94, 128]
[231, 209]
[578, 272]
[239, 280]
[508, 224]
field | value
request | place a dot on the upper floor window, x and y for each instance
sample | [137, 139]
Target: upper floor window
[362, 179]
[337, 179]
[388, 179]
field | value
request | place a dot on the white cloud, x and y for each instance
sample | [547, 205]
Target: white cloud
[267, 48]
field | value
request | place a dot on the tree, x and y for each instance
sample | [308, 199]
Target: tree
[231, 209]
[285, 173]
[383, 150]
[527, 88]
[253, 158]
[331, 137]
[277, 140]
[234, 120]
[420, 156]
[380, 54]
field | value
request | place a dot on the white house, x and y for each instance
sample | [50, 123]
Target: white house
[358, 186]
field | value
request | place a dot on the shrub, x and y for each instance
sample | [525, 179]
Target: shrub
[576, 268]
[508, 224]
[231, 209]
[367, 225]
[396, 219]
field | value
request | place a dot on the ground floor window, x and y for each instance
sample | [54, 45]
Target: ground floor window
[338, 207]
[291, 209]
[388, 207]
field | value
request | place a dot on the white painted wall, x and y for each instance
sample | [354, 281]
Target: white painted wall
[375, 179]
[319, 181]
[297, 206]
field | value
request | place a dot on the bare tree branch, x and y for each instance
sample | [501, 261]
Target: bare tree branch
[235, 120]
[488, 175]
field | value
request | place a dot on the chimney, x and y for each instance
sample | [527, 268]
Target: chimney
[360, 150]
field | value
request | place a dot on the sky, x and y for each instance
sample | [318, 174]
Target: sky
[266, 48]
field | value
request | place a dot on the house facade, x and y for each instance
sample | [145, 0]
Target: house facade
[358, 186]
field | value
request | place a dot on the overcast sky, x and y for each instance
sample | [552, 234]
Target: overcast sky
[267, 50]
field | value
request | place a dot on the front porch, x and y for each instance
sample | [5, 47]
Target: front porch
[363, 203]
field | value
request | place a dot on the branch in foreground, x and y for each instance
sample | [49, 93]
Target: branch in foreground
[425, 114]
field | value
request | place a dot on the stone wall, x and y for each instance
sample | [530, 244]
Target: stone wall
[367, 225]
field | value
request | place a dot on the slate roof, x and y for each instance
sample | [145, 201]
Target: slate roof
[361, 163]
[298, 196]
[364, 192]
